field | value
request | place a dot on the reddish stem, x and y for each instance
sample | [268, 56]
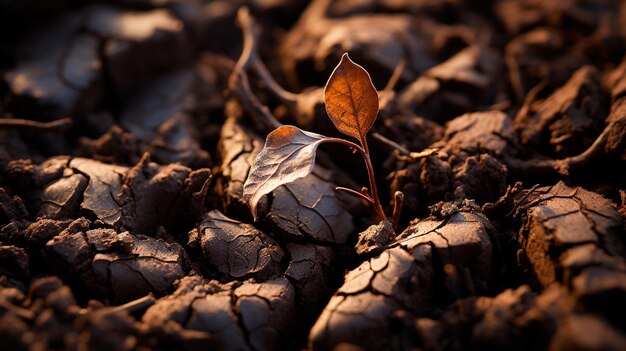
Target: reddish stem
[348, 143]
[366, 197]
[398, 201]
[370, 172]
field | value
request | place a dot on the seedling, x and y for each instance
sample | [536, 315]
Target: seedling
[289, 153]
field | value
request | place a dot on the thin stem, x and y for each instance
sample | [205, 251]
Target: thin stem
[249, 40]
[520, 203]
[201, 194]
[346, 142]
[238, 82]
[398, 201]
[594, 151]
[370, 171]
[25, 124]
[370, 174]
[285, 96]
[356, 193]
[264, 116]
[395, 76]
[392, 144]
[530, 97]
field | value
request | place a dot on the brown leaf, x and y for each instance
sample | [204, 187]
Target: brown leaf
[351, 99]
[288, 154]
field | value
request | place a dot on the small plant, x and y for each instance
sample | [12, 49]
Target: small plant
[289, 152]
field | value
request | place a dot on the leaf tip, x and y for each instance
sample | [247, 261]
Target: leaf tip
[350, 98]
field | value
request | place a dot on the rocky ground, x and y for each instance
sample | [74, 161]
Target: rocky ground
[129, 127]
